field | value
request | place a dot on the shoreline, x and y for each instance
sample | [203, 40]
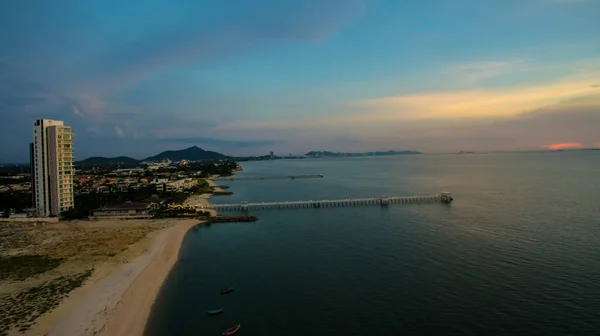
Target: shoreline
[118, 298]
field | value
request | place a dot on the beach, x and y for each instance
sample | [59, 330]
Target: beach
[122, 264]
[117, 298]
[202, 200]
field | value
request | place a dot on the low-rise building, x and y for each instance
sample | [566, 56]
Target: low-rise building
[127, 210]
[160, 180]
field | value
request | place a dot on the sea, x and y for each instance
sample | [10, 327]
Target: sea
[516, 253]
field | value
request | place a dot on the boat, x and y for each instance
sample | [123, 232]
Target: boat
[231, 330]
[225, 291]
[215, 311]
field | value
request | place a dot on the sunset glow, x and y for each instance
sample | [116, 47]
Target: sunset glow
[566, 145]
[297, 76]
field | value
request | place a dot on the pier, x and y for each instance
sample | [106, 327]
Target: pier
[272, 177]
[444, 197]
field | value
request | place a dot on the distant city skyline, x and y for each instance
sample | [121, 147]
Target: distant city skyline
[296, 76]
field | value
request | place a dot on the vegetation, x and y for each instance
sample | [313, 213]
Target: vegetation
[167, 213]
[193, 153]
[206, 170]
[15, 200]
[19, 311]
[86, 203]
[40, 265]
[24, 266]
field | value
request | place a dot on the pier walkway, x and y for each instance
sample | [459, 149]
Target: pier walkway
[272, 177]
[444, 197]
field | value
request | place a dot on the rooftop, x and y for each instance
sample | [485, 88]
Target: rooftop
[124, 207]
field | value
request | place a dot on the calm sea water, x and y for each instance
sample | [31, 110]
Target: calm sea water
[516, 253]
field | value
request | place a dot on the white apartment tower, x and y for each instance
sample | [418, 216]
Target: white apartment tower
[52, 167]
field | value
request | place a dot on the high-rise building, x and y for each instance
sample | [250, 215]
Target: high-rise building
[52, 167]
[272, 155]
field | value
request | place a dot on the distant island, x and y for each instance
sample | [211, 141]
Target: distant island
[195, 153]
[315, 154]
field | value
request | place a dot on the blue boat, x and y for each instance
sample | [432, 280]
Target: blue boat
[215, 311]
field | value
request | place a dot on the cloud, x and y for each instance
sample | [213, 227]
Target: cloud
[490, 103]
[221, 142]
[476, 72]
[87, 81]
[574, 119]
[569, 1]
[119, 132]
[282, 21]
[566, 145]
[76, 111]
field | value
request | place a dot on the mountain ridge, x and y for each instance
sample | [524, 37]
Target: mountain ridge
[193, 153]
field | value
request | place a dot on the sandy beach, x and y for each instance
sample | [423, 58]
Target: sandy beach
[202, 200]
[117, 299]
[130, 259]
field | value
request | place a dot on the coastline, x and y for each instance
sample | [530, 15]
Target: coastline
[202, 200]
[118, 298]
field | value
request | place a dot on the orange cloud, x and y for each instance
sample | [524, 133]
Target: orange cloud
[506, 102]
[566, 145]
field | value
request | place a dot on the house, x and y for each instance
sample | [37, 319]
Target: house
[127, 210]
[160, 180]
[129, 171]
[102, 190]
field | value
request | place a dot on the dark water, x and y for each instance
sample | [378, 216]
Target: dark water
[517, 253]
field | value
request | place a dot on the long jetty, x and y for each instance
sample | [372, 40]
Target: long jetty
[444, 197]
[271, 177]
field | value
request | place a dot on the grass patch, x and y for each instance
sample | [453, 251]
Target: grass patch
[19, 311]
[22, 267]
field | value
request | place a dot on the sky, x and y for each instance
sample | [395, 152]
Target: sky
[245, 77]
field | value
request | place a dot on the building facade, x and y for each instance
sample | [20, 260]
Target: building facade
[52, 167]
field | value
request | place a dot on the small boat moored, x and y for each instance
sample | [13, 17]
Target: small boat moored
[231, 330]
[215, 311]
[225, 291]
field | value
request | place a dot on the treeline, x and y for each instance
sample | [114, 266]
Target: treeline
[224, 168]
[14, 200]
[206, 170]
[84, 204]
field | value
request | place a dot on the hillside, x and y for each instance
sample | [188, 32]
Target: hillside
[104, 161]
[192, 154]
